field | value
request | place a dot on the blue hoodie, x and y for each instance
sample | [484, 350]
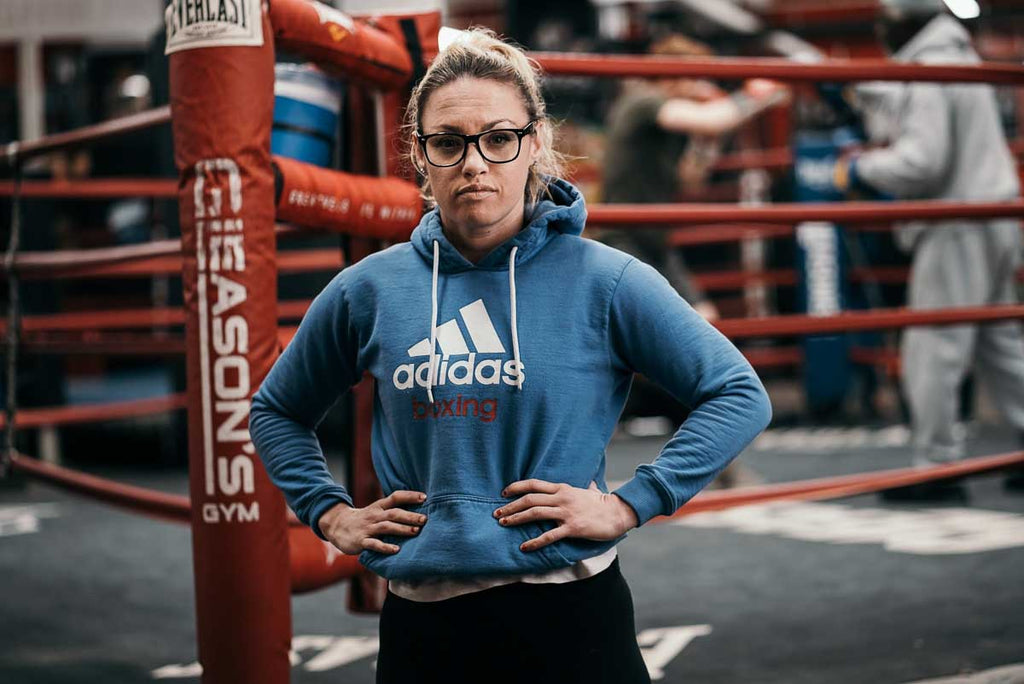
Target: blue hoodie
[536, 346]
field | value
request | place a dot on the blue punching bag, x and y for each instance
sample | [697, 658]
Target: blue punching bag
[307, 103]
[821, 269]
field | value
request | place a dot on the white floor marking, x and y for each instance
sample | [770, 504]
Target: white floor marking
[658, 646]
[927, 532]
[335, 651]
[178, 671]
[818, 440]
[24, 519]
[1007, 674]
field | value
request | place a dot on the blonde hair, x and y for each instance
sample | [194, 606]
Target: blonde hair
[479, 53]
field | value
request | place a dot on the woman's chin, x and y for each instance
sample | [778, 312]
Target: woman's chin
[470, 217]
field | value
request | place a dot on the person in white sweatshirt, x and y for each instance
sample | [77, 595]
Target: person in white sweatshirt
[946, 143]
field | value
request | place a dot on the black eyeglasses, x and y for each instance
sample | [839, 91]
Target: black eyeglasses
[498, 146]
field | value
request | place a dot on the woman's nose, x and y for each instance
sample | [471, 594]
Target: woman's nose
[474, 162]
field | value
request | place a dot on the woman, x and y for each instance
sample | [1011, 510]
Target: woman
[491, 418]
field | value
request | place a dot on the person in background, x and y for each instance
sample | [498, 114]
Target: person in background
[946, 143]
[663, 137]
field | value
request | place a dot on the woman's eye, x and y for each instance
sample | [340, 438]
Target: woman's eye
[446, 143]
[499, 138]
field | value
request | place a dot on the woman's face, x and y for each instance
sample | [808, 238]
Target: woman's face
[476, 196]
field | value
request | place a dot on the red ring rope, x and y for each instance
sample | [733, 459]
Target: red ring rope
[125, 319]
[94, 188]
[95, 413]
[104, 344]
[734, 280]
[308, 571]
[39, 266]
[31, 262]
[89, 134]
[842, 486]
[851, 321]
[671, 215]
[715, 234]
[650, 66]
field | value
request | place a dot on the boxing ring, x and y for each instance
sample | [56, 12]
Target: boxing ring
[236, 200]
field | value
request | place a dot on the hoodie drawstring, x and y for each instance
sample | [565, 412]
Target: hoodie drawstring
[433, 321]
[433, 324]
[512, 306]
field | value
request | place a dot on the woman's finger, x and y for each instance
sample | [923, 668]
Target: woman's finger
[527, 486]
[532, 514]
[401, 515]
[394, 528]
[550, 537]
[371, 544]
[402, 497]
[523, 503]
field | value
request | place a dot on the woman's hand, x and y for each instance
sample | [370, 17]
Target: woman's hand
[354, 530]
[583, 513]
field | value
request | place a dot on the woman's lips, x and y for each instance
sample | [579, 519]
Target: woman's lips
[475, 193]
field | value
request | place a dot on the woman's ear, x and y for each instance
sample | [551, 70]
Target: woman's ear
[536, 140]
[418, 161]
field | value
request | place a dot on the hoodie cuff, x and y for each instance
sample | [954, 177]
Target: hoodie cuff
[643, 494]
[324, 504]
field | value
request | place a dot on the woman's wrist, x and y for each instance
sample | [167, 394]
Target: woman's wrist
[627, 515]
[330, 515]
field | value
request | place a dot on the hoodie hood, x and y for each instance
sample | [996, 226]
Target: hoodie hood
[564, 213]
[943, 39]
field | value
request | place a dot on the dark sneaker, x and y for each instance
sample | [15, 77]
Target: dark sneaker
[937, 491]
[1014, 481]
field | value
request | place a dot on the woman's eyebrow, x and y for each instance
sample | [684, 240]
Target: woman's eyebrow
[455, 128]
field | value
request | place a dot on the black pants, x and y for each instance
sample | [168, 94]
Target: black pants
[581, 631]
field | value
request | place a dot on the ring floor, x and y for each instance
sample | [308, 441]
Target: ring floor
[843, 591]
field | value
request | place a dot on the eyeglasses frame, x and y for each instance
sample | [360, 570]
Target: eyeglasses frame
[467, 140]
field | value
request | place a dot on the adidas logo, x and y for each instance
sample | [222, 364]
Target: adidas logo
[452, 343]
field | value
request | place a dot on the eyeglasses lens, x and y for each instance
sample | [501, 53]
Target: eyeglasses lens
[500, 146]
[496, 146]
[445, 149]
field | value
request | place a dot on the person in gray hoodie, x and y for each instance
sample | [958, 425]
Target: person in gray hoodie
[945, 142]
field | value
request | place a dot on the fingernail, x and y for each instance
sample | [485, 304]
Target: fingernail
[423, 497]
[503, 521]
[497, 513]
[422, 519]
[524, 547]
[415, 530]
[504, 493]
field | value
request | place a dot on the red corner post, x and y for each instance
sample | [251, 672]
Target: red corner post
[222, 98]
